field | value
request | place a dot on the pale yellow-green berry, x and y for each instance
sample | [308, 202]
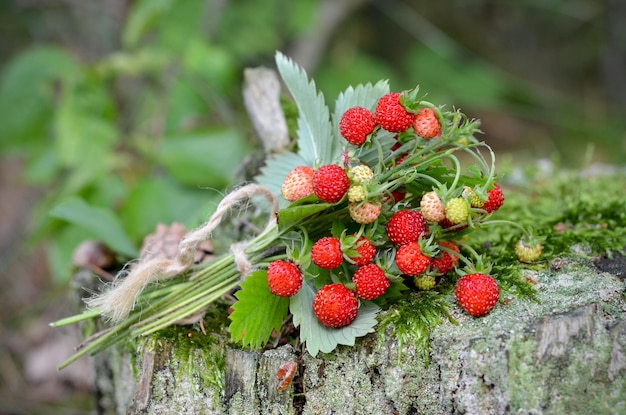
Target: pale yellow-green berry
[432, 207]
[473, 197]
[425, 282]
[361, 174]
[527, 253]
[356, 193]
[457, 210]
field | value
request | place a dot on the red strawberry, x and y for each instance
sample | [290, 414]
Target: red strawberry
[406, 226]
[364, 250]
[298, 183]
[370, 282]
[326, 253]
[495, 199]
[391, 114]
[330, 183]
[410, 260]
[476, 293]
[445, 262]
[426, 124]
[356, 124]
[284, 278]
[364, 213]
[335, 306]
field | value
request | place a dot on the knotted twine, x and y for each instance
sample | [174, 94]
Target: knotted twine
[117, 302]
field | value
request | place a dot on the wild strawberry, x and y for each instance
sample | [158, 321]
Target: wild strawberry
[527, 252]
[356, 124]
[370, 282]
[335, 306]
[361, 174]
[476, 293]
[425, 282]
[457, 210]
[298, 183]
[364, 212]
[406, 226]
[356, 193]
[330, 183]
[445, 261]
[432, 207]
[391, 114]
[284, 278]
[473, 197]
[326, 253]
[426, 124]
[410, 260]
[495, 199]
[363, 252]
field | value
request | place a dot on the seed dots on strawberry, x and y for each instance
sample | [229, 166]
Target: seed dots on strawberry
[426, 124]
[364, 212]
[370, 282]
[298, 183]
[330, 183]
[476, 293]
[406, 226]
[326, 253]
[391, 114]
[495, 199]
[283, 278]
[356, 124]
[362, 253]
[410, 259]
[334, 305]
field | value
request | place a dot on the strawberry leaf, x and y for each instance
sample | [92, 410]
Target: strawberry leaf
[315, 143]
[257, 312]
[319, 338]
[296, 212]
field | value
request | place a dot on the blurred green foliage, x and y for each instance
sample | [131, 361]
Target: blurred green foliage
[153, 130]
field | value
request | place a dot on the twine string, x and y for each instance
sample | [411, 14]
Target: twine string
[120, 298]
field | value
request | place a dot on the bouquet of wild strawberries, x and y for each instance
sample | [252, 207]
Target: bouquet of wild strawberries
[372, 201]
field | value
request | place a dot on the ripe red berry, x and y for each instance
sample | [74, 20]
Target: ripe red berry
[426, 124]
[283, 278]
[406, 226]
[370, 282]
[326, 253]
[445, 261]
[364, 252]
[335, 306]
[391, 115]
[476, 293]
[410, 260]
[356, 124]
[495, 199]
[298, 183]
[330, 183]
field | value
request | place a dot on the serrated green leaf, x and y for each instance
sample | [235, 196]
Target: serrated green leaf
[100, 222]
[316, 143]
[319, 338]
[296, 212]
[257, 312]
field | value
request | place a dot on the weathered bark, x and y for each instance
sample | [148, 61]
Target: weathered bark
[563, 355]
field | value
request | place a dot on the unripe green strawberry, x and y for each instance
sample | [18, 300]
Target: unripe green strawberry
[473, 197]
[425, 282]
[432, 207]
[527, 252]
[406, 226]
[426, 124]
[330, 183]
[445, 262]
[283, 278]
[356, 124]
[298, 183]
[364, 212]
[476, 293]
[370, 282]
[410, 260]
[391, 114]
[326, 253]
[361, 174]
[364, 252]
[457, 210]
[495, 199]
[356, 193]
[335, 306]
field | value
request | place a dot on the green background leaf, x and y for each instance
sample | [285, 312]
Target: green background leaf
[257, 312]
[101, 223]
